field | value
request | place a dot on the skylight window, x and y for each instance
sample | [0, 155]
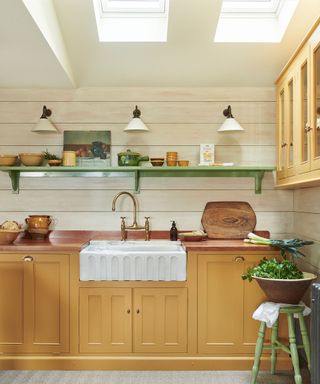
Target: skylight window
[254, 20]
[132, 20]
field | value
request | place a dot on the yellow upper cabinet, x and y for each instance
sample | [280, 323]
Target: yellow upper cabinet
[298, 116]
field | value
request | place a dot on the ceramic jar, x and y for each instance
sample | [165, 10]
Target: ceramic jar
[38, 222]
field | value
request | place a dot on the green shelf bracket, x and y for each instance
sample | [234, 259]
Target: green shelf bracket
[136, 182]
[15, 181]
[137, 172]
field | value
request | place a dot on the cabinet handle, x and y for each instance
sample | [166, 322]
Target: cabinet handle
[239, 259]
[138, 311]
[283, 145]
[307, 128]
[128, 311]
[28, 259]
[291, 144]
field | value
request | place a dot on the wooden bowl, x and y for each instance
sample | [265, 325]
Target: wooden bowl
[183, 163]
[171, 163]
[8, 160]
[8, 237]
[31, 159]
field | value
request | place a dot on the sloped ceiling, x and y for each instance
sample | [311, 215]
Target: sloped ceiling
[189, 58]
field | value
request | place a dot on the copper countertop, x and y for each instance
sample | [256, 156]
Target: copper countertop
[71, 241]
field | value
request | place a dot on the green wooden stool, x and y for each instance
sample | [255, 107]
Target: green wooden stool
[292, 349]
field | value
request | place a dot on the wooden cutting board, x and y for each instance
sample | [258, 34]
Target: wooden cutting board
[228, 219]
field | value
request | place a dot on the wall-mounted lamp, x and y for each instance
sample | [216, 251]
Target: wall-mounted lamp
[44, 124]
[230, 124]
[136, 124]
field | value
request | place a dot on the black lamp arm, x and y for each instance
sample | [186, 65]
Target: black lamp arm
[45, 112]
[227, 112]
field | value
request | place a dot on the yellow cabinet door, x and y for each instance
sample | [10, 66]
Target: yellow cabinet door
[226, 304]
[13, 325]
[105, 320]
[34, 303]
[47, 308]
[160, 320]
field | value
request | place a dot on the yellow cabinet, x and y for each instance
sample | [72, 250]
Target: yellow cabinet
[105, 320]
[133, 320]
[298, 116]
[160, 320]
[226, 304]
[34, 303]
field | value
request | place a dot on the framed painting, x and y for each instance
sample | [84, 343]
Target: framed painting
[93, 148]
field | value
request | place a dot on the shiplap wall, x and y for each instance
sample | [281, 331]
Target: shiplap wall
[307, 222]
[179, 120]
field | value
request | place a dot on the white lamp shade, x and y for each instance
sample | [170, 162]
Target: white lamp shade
[230, 124]
[136, 124]
[44, 125]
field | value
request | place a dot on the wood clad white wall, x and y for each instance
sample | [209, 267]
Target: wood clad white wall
[307, 222]
[179, 120]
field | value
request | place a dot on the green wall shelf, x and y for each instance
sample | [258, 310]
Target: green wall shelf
[137, 172]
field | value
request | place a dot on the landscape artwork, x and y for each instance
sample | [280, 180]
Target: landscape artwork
[93, 148]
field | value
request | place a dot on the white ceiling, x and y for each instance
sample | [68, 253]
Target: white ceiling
[189, 58]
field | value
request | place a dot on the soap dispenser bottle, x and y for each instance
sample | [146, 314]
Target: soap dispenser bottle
[173, 232]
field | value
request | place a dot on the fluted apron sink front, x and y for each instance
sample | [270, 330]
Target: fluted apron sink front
[156, 260]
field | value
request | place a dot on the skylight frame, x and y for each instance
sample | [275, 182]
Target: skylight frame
[241, 21]
[133, 6]
[135, 26]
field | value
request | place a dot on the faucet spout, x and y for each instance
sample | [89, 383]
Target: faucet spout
[134, 224]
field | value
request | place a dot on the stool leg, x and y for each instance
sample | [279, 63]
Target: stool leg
[258, 352]
[274, 337]
[305, 338]
[293, 350]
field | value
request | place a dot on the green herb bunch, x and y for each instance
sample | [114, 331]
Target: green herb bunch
[50, 156]
[273, 268]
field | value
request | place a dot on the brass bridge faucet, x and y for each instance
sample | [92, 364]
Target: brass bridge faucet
[134, 225]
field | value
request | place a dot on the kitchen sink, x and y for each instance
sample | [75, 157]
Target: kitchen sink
[156, 260]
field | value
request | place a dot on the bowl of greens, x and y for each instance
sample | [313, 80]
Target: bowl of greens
[281, 279]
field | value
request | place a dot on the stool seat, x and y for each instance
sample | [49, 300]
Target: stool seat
[292, 349]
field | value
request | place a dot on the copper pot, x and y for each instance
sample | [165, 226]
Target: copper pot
[38, 221]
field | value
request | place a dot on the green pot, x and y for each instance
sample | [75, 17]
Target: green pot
[129, 158]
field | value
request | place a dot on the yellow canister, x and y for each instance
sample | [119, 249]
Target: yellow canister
[69, 158]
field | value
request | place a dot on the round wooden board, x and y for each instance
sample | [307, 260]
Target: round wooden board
[228, 219]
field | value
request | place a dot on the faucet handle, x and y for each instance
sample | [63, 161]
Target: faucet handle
[147, 228]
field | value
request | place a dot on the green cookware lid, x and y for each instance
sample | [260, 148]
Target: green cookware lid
[128, 152]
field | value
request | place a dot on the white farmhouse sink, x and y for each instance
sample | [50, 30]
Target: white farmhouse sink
[157, 260]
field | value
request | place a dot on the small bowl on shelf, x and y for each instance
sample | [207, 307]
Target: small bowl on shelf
[31, 159]
[8, 160]
[157, 161]
[183, 163]
[54, 162]
[171, 163]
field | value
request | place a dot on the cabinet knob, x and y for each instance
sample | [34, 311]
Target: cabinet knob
[283, 145]
[128, 311]
[239, 259]
[28, 259]
[138, 311]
